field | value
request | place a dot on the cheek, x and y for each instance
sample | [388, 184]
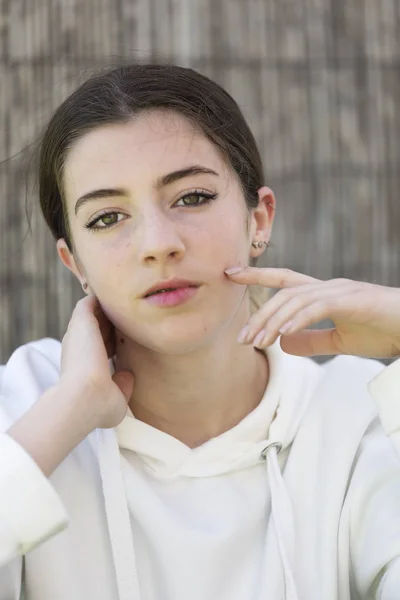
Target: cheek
[225, 235]
[218, 252]
[228, 249]
[108, 270]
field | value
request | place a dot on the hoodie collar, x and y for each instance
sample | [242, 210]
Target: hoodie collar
[275, 419]
[237, 448]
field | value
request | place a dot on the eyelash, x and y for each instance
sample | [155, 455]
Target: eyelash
[207, 199]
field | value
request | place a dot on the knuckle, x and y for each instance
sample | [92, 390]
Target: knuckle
[255, 321]
[297, 302]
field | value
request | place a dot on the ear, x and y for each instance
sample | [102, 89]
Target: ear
[68, 259]
[262, 219]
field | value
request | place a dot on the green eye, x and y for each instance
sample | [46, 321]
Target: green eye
[195, 199]
[109, 216]
[113, 219]
[192, 199]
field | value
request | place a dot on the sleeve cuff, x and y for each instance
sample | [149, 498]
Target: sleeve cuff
[385, 390]
[30, 508]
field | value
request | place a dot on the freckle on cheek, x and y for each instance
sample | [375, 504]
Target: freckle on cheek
[122, 341]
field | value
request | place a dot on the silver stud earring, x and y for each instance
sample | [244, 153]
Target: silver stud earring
[259, 244]
[84, 286]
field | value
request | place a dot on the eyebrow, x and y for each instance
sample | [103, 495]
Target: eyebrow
[161, 182]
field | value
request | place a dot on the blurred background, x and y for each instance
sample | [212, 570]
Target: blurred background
[318, 81]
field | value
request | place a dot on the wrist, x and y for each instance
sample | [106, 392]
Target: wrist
[76, 407]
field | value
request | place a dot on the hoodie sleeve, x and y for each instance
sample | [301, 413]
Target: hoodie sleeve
[375, 495]
[30, 509]
[385, 390]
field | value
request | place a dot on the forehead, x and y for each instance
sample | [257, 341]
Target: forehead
[141, 150]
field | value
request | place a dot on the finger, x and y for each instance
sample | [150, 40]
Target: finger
[319, 310]
[270, 277]
[331, 306]
[85, 304]
[319, 342]
[125, 382]
[288, 304]
[90, 309]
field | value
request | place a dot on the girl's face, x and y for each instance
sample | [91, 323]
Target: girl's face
[163, 204]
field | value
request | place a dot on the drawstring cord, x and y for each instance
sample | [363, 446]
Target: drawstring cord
[119, 525]
[282, 516]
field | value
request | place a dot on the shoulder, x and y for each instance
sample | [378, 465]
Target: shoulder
[30, 370]
[351, 375]
[341, 400]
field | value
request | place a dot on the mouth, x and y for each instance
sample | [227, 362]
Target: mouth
[166, 290]
[171, 285]
[172, 295]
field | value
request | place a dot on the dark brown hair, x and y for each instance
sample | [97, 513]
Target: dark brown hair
[118, 95]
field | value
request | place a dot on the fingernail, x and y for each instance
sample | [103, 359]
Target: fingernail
[285, 328]
[233, 270]
[243, 334]
[259, 338]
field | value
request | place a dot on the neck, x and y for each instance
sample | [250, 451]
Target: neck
[198, 395]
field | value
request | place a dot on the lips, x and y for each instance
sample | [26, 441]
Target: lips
[166, 290]
[169, 285]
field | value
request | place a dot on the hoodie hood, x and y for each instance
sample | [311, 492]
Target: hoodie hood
[282, 405]
[263, 434]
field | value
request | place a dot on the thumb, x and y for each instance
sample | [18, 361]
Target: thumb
[124, 380]
[309, 342]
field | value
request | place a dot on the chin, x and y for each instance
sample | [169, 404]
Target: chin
[179, 336]
[182, 340]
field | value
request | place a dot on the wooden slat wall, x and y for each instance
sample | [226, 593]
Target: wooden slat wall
[317, 79]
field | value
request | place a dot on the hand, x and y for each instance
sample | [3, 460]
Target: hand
[87, 345]
[366, 316]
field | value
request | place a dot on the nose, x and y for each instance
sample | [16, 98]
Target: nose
[160, 240]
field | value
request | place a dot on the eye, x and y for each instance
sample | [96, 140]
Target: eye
[196, 198]
[110, 216]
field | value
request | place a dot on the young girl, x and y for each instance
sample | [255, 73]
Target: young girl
[173, 446]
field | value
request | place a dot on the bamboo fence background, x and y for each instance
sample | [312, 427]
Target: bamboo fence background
[318, 81]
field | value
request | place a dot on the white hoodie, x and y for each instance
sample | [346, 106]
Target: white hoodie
[299, 501]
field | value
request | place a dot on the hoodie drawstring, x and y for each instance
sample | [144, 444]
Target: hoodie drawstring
[117, 512]
[282, 517]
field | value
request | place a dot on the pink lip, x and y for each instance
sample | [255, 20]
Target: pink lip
[167, 284]
[172, 298]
